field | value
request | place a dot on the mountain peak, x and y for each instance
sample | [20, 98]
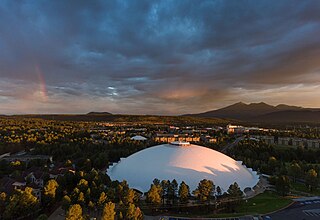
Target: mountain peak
[285, 107]
[240, 103]
[259, 103]
[261, 110]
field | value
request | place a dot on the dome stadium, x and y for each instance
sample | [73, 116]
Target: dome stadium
[184, 162]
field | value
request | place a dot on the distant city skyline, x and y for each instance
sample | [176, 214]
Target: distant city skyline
[157, 57]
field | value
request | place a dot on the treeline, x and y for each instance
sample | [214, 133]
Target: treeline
[82, 194]
[168, 194]
[285, 165]
[134, 119]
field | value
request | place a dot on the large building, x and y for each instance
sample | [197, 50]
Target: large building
[167, 138]
[184, 162]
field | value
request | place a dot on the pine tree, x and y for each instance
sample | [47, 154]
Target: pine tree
[205, 190]
[312, 179]
[109, 211]
[134, 213]
[90, 205]
[174, 188]
[81, 198]
[153, 195]
[184, 192]
[102, 199]
[129, 197]
[130, 214]
[120, 215]
[74, 213]
[234, 191]
[219, 191]
[164, 192]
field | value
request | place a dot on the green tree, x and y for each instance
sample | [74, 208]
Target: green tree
[156, 181]
[153, 195]
[234, 191]
[108, 211]
[88, 195]
[134, 213]
[164, 192]
[235, 195]
[21, 203]
[294, 170]
[283, 184]
[219, 191]
[272, 163]
[81, 199]
[122, 188]
[66, 201]
[184, 192]
[129, 197]
[3, 201]
[83, 185]
[74, 213]
[68, 163]
[102, 199]
[50, 190]
[205, 190]
[90, 205]
[312, 179]
[120, 215]
[173, 190]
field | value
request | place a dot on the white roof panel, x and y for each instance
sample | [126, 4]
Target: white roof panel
[190, 164]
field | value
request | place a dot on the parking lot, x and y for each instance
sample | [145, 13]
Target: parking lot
[302, 209]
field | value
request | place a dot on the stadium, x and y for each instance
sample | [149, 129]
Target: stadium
[184, 162]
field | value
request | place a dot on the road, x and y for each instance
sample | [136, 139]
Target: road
[231, 145]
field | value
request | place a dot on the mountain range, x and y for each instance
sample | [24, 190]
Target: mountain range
[262, 112]
[99, 113]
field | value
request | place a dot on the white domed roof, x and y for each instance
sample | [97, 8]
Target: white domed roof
[183, 162]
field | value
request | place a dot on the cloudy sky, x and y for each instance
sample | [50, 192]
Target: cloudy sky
[157, 57]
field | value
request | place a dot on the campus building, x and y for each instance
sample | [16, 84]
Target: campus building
[182, 161]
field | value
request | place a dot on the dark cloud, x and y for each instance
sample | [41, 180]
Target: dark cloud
[166, 57]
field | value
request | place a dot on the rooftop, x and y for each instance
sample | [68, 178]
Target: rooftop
[180, 143]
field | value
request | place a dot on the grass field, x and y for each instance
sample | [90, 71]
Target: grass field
[261, 204]
[264, 203]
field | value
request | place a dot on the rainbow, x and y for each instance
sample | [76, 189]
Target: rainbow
[42, 84]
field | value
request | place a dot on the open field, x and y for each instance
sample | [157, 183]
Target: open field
[261, 204]
[264, 203]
